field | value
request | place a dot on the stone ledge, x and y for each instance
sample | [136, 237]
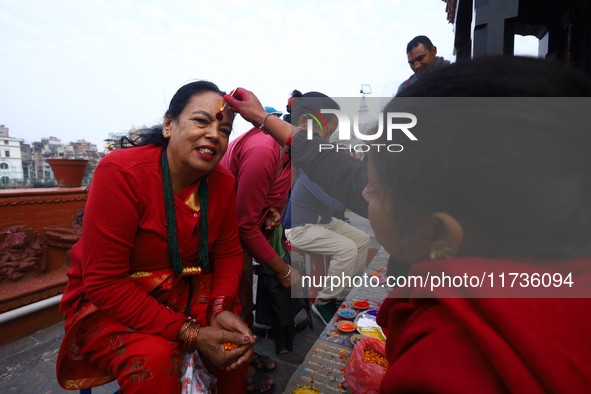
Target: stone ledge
[38, 196]
[28, 290]
[50, 212]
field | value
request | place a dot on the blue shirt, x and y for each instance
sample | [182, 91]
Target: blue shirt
[309, 204]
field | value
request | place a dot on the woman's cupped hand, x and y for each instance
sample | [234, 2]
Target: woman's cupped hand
[226, 328]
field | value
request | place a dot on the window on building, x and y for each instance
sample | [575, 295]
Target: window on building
[5, 142]
[5, 180]
[7, 153]
[2, 132]
[3, 166]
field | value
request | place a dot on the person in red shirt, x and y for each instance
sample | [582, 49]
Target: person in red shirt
[490, 187]
[156, 271]
[263, 179]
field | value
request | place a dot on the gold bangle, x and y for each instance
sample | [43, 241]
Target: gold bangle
[182, 331]
[288, 273]
[189, 344]
[186, 340]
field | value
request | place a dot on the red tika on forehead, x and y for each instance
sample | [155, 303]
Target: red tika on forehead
[410, 53]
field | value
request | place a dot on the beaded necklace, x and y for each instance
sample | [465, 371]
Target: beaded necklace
[174, 252]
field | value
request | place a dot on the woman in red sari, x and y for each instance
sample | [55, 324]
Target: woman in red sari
[490, 187]
[156, 271]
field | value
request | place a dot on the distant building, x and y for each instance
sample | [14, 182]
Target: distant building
[85, 150]
[11, 167]
[53, 148]
[28, 162]
[47, 148]
[21, 163]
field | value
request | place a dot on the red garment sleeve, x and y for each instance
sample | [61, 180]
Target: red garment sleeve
[258, 171]
[430, 353]
[227, 253]
[111, 218]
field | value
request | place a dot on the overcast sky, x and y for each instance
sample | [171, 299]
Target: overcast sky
[81, 69]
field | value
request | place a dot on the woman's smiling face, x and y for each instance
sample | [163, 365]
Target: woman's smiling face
[198, 140]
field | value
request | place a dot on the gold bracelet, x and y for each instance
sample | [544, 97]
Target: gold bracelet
[288, 273]
[189, 344]
[186, 340]
[185, 343]
[190, 347]
[182, 331]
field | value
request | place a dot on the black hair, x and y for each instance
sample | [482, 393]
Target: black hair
[419, 40]
[314, 100]
[153, 135]
[296, 93]
[518, 170]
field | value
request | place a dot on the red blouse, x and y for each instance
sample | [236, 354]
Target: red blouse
[263, 180]
[124, 232]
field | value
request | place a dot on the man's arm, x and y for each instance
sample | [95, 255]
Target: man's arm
[339, 175]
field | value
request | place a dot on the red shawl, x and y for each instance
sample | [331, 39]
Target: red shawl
[447, 344]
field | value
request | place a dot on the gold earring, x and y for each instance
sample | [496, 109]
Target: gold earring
[165, 133]
[441, 254]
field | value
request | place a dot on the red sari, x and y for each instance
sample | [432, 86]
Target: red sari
[123, 304]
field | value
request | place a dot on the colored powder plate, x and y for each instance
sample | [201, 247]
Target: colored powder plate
[347, 313]
[373, 333]
[375, 273]
[305, 390]
[361, 304]
[346, 326]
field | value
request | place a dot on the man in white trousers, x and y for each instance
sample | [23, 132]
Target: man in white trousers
[310, 215]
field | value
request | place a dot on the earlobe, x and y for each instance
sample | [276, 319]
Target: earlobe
[447, 236]
[434, 50]
[303, 122]
[166, 128]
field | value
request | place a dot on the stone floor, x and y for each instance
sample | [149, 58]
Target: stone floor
[28, 365]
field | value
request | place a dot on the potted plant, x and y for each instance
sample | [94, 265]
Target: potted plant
[68, 172]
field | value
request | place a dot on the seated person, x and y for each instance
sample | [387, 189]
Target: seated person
[505, 197]
[314, 229]
[156, 271]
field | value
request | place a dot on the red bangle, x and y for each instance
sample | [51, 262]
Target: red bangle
[217, 305]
